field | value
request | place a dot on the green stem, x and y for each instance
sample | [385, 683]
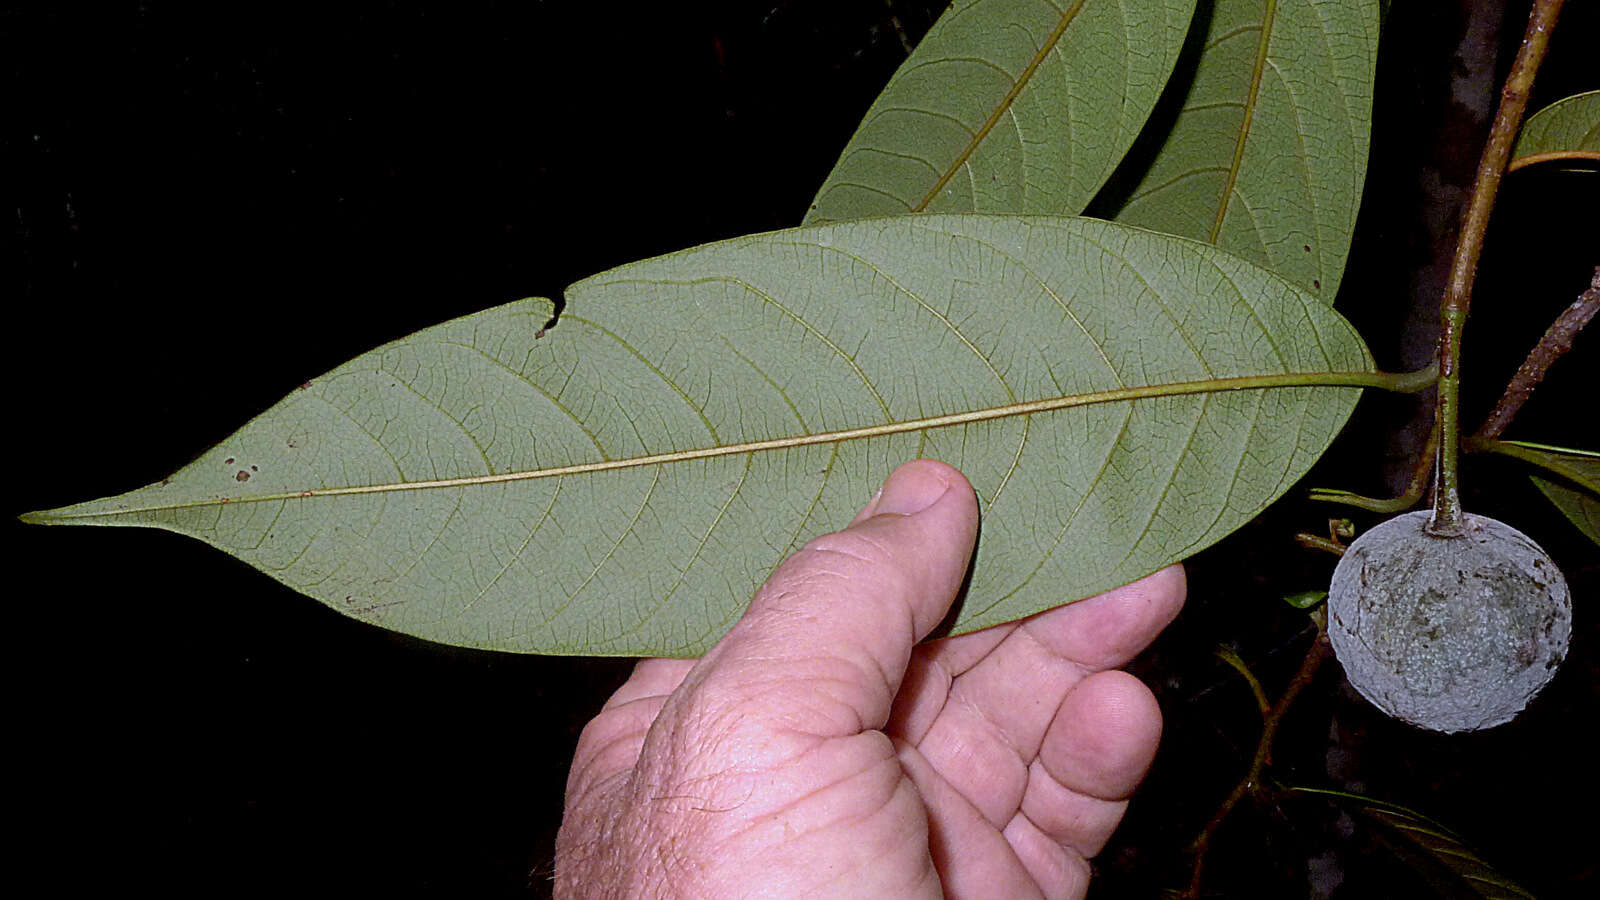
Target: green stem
[1233, 659]
[1407, 499]
[1458, 293]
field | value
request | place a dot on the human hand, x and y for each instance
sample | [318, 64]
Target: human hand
[818, 751]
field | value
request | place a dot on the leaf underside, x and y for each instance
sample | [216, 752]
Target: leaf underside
[1268, 153]
[1571, 479]
[1568, 128]
[1580, 507]
[419, 486]
[1575, 489]
[1581, 467]
[1011, 106]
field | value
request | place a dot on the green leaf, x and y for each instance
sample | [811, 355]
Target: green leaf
[1581, 467]
[1575, 489]
[1305, 599]
[621, 483]
[1436, 852]
[1582, 508]
[1269, 151]
[1009, 106]
[1566, 130]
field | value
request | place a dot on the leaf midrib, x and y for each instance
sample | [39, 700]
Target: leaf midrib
[1533, 159]
[982, 133]
[1172, 389]
[1223, 202]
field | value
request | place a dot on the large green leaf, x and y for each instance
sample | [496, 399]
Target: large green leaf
[1016, 106]
[1269, 151]
[1566, 130]
[620, 483]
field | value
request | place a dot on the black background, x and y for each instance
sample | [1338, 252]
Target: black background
[216, 202]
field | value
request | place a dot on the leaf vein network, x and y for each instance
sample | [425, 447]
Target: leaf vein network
[795, 317]
[1169, 482]
[644, 504]
[1177, 327]
[654, 370]
[705, 538]
[593, 439]
[1070, 517]
[399, 470]
[879, 151]
[433, 405]
[516, 555]
[438, 533]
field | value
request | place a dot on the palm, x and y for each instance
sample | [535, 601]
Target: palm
[1025, 743]
[1004, 766]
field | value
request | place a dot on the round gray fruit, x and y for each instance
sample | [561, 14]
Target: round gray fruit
[1448, 633]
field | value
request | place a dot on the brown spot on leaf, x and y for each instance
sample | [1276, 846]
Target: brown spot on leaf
[255, 468]
[228, 461]
[1316, 283]
[242, 476]
[305, 386]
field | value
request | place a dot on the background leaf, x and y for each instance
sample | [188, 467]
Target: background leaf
[1581, 467]
[1269, 152]
[1575, 485]
[438, 504]
[1567, 129]
[1305, 599]
[1009, 106]
[1434, 851]
[1580, 507]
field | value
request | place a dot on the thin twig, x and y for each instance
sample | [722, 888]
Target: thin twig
[1319, 651]
[1458, 293]
[1556, 342]
[1314, 542]
[1420, 470]
[1233, 659]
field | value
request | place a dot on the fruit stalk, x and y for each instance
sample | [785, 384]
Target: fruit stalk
[1447, 519]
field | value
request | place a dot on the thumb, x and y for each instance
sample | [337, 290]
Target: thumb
[825, 643]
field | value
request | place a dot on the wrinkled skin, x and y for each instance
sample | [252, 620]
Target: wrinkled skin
[819, 751]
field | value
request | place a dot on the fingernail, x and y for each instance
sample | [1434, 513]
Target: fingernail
[910, 490]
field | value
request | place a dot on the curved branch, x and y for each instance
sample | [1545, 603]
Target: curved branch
[1556, 342]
